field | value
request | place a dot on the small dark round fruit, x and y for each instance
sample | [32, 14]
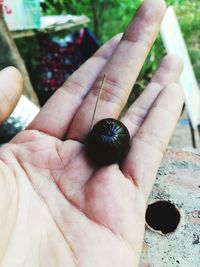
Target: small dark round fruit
[108, 142]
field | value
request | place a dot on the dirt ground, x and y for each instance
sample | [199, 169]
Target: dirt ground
[182, 138]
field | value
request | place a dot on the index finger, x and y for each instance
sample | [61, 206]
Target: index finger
[121, 69]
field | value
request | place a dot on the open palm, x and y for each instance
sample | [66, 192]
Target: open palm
[56, 208]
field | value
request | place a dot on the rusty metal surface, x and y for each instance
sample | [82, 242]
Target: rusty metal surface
[178, 181]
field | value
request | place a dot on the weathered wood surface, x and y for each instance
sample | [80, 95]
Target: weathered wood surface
[74, 22]
[174, 43]
[10, 56]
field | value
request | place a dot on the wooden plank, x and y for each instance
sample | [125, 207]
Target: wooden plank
[70, 23]
[174, 43]
[10, 56]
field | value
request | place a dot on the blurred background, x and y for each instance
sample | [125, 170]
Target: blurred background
[112, 16]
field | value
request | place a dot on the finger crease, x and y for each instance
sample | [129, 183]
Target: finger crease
[136, 115]
[73, 87]
[163, 109]
[152, 140]
[110, 93]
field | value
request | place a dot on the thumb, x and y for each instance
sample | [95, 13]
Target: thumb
[11, 86]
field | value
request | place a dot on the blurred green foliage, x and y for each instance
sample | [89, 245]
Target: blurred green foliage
[107, 17]
[112, 16]
[189, 18]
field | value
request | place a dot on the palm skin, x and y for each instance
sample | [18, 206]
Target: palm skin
[56, 209]
[66, 213]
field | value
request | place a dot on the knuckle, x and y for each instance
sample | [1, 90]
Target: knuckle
[152, 139]
[72, 86]
[136, 115]
[112, 91]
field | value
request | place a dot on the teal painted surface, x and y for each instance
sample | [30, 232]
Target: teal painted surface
[22, 14]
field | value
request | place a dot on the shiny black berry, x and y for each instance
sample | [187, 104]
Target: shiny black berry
[108, 142]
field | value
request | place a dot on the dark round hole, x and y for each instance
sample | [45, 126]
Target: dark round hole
[162, 216]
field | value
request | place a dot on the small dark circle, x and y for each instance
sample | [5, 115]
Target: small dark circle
[162, 216]
[108, 142]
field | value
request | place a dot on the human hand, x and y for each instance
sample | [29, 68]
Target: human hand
[56, 209]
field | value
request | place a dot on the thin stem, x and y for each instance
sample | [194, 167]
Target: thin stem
[98, 96]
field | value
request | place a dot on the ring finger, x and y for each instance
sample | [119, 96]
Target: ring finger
[168, 72]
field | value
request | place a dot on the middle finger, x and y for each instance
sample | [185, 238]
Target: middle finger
[121, 70]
